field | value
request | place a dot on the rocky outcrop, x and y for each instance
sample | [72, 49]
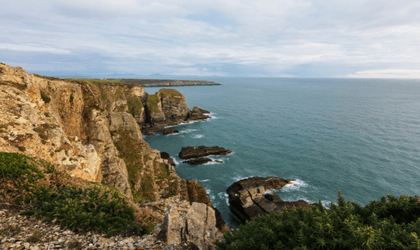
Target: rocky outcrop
[201, 161]
[198, 114]
[194, 224]
[90, 130]
[249, 198]
[200, 151]
[167, 107]
[169, 131]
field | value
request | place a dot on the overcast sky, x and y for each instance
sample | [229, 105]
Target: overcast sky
[279, 38]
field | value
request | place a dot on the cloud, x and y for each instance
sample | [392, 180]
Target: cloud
[231, 37]
[387, 73]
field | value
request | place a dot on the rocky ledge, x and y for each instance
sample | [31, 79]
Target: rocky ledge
[248, 198]
[200, 151]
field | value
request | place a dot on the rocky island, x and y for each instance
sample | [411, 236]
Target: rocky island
[88, 135]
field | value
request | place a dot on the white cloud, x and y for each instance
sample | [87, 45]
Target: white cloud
[268, 36]
[32, 48]
[387, 73]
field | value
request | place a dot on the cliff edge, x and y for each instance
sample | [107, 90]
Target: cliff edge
[92, 131]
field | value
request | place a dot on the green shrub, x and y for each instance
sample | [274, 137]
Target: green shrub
[84, 209]
[20, 168]
[78, 208]
[392, 223]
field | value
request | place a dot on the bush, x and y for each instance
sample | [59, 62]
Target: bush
[78, 208]
[20, 168]
[392, 223]
[85, 209]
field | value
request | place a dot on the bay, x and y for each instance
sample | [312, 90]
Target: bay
[361, 136]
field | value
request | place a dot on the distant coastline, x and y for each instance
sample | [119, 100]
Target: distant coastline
[167, 83]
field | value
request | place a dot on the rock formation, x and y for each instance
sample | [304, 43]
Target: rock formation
[90, 130]
[169, 131]
[200, 151]
[200, 161]
[248, 198]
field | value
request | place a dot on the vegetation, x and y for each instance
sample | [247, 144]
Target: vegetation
[13, 84]
[134, 106]
[171, 94]
[84, 209]
[45, 97]
[152, 103]
[391, 223]
[95, 208]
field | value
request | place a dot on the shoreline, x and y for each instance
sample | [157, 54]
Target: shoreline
[168, 83]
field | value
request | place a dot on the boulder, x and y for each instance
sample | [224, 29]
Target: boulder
[169, 131]
[196, 227]
[248, 198]
[166, 156]
[200, 151]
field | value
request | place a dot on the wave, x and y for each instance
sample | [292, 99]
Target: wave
[224, 196]
[294, 186]
[187, 131]
[175, 161]
[198, 136]
[206, 180]
[213, 162]
[212, 116]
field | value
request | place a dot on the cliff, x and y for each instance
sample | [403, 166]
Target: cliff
[92, 131]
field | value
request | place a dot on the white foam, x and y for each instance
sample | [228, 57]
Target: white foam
[206, 180]
[213, 162]
[212, 115]
[294, 186]
[188, 131]
[238, 178]
[175, 161]
[198, 136]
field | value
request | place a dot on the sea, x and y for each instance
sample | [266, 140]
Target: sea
[360, 136]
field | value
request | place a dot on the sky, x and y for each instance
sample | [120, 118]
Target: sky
[245, 38]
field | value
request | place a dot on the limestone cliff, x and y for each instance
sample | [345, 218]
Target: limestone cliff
[92, 130]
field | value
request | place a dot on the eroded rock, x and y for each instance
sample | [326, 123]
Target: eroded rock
[248, 198]
[200, 151]
[201, 161]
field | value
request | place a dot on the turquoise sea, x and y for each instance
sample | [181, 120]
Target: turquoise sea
[361, 136]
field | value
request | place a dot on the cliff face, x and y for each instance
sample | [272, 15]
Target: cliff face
[92, 130]
[167, 107]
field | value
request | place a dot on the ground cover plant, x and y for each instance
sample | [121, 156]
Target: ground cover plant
[79, 208]
[391, 223]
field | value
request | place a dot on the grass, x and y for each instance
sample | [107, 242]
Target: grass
[171, 94]
[134, 106]
[13, 84]
[152, 103]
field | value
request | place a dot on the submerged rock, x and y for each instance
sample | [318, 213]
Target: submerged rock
[200, 151]
[169, 131]
[201, 161]
[247, 199]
